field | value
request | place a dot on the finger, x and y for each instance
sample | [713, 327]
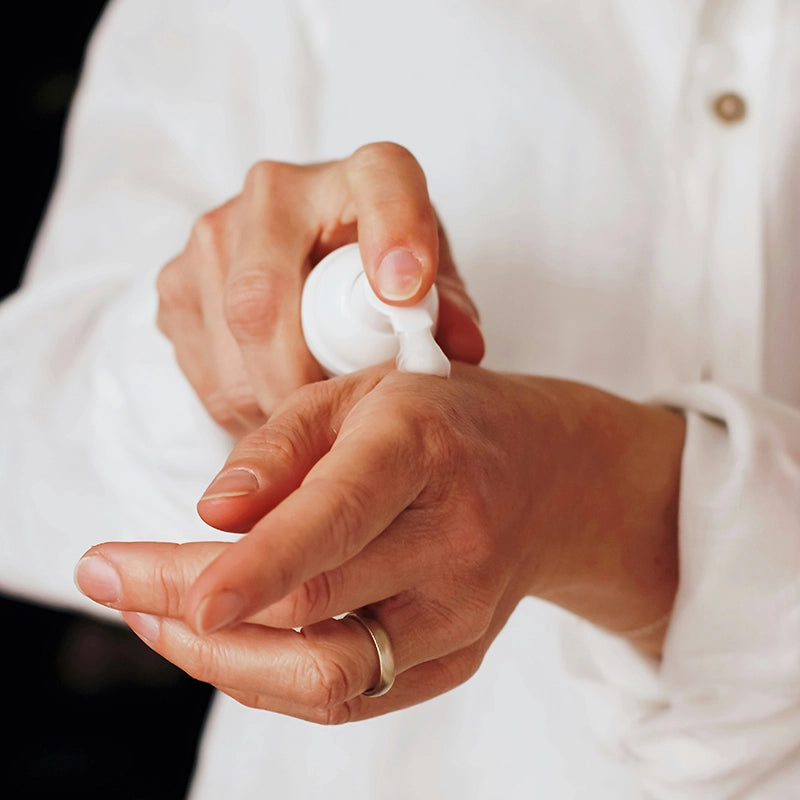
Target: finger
[441, 613]
[190, 315]
[231, 401]
[269, 463]
[150, 577]
[415, 686]
[371, 474]
[181, 319]
[154, 578]
[386, 568]
[269, 263]
[321, 666]
[318, 674]
[397, 228]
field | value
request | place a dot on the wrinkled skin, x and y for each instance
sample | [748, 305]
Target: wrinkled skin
[438, 504]
[230, 301]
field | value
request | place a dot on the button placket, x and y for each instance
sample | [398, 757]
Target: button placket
[720, 138]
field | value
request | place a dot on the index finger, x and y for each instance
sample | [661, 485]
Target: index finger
[269, 263]
[351, 495]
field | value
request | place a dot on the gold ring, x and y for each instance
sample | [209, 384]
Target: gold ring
[385, 656]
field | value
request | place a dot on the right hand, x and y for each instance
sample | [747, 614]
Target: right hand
[434, 505]
[230, 302]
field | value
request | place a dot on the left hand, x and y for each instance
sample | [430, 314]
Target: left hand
[438, 504]
[230, 300]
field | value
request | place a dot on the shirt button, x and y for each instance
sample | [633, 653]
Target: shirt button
[729, 107]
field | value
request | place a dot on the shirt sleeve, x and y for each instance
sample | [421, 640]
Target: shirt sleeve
[102, 436]
[719, 716]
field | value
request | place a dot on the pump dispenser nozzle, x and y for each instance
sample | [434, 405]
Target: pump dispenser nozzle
[347, 327]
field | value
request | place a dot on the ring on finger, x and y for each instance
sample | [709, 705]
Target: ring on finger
[385, 655]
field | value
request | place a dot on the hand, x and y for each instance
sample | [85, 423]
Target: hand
[438, 504]
[230, 302]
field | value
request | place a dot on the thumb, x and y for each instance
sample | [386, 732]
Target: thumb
[397, 226]
[402, 244]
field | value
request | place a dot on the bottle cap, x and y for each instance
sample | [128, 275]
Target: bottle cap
[347, 327]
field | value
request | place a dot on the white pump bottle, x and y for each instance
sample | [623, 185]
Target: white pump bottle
[347, 327]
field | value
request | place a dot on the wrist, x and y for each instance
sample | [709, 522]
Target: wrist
[616, 512]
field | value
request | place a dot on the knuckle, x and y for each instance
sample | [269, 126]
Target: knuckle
[220, 411]
[267, 179]
[478, 620]
[171, 287]
[243, 401]
[251, 304]
[338, 715]
[208, 230]
[238, 399]
[474, 557]
[170, 580]
[469, 623]
[320, 716]
[233, 407]
[480, 553]
[330, 686]
[379, 153]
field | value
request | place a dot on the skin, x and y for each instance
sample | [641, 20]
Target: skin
[561, 492]
[436, 504]
[230, 301]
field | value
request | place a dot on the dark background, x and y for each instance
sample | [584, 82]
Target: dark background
[88, 710]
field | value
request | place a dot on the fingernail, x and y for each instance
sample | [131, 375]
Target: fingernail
[97, 579]
[146, 626]
[235, 482]
[399, 275]
[218, 611]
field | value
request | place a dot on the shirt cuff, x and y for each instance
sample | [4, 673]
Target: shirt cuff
[719, 715]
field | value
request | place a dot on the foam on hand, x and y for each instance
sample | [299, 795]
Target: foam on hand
[347, 327]
[413, 328]
[417, 355]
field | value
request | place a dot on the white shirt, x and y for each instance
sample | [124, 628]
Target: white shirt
[613, 229]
